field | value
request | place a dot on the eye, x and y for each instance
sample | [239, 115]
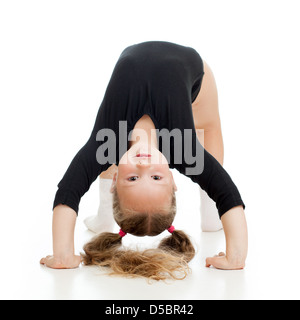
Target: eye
[132, 178]
[156, 177]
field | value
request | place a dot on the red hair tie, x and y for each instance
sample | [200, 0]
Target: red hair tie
[171, 229]
[122, 233]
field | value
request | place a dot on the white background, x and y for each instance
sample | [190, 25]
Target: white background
[56, 58]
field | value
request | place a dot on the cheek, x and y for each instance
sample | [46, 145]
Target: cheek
[128, 198]
[124, 170]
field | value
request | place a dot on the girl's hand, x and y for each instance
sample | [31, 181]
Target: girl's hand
[236, 234]
[70, 262]
[64, 220]
[221, 261]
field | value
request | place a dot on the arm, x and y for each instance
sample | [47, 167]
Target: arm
[82, 172]
[206, 117]
[218, 185]
[64, 220]
[63, 227]
[236, 234]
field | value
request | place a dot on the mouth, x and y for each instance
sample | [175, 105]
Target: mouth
[143, 155]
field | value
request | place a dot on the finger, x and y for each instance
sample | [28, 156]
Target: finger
[47, 261]
[220, 254]
[217, 262]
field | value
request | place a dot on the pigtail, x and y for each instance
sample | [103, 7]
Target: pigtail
[178, 243]
[170, 260]
[155, 264]
[100, 250]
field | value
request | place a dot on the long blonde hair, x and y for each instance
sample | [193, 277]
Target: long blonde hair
[169, 260]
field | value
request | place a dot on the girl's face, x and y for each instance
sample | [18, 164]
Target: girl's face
[144, 181]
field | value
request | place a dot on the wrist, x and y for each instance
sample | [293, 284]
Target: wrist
[64, 220]
[62, 250]
[62, 254]
[64, 259]
[237, 257]
[236, 233]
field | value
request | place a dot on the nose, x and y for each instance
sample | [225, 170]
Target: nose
[143, 163]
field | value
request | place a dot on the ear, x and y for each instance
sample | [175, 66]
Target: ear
[114, 183]
[173, 182]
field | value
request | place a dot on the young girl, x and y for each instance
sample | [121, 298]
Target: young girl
[154, 89]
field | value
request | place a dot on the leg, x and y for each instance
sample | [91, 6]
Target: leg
[207, 118]
[104, 220]
[208, 126]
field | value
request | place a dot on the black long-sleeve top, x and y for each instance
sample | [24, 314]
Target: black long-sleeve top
[162, 80]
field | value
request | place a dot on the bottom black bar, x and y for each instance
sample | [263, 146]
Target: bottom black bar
[150, 309]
